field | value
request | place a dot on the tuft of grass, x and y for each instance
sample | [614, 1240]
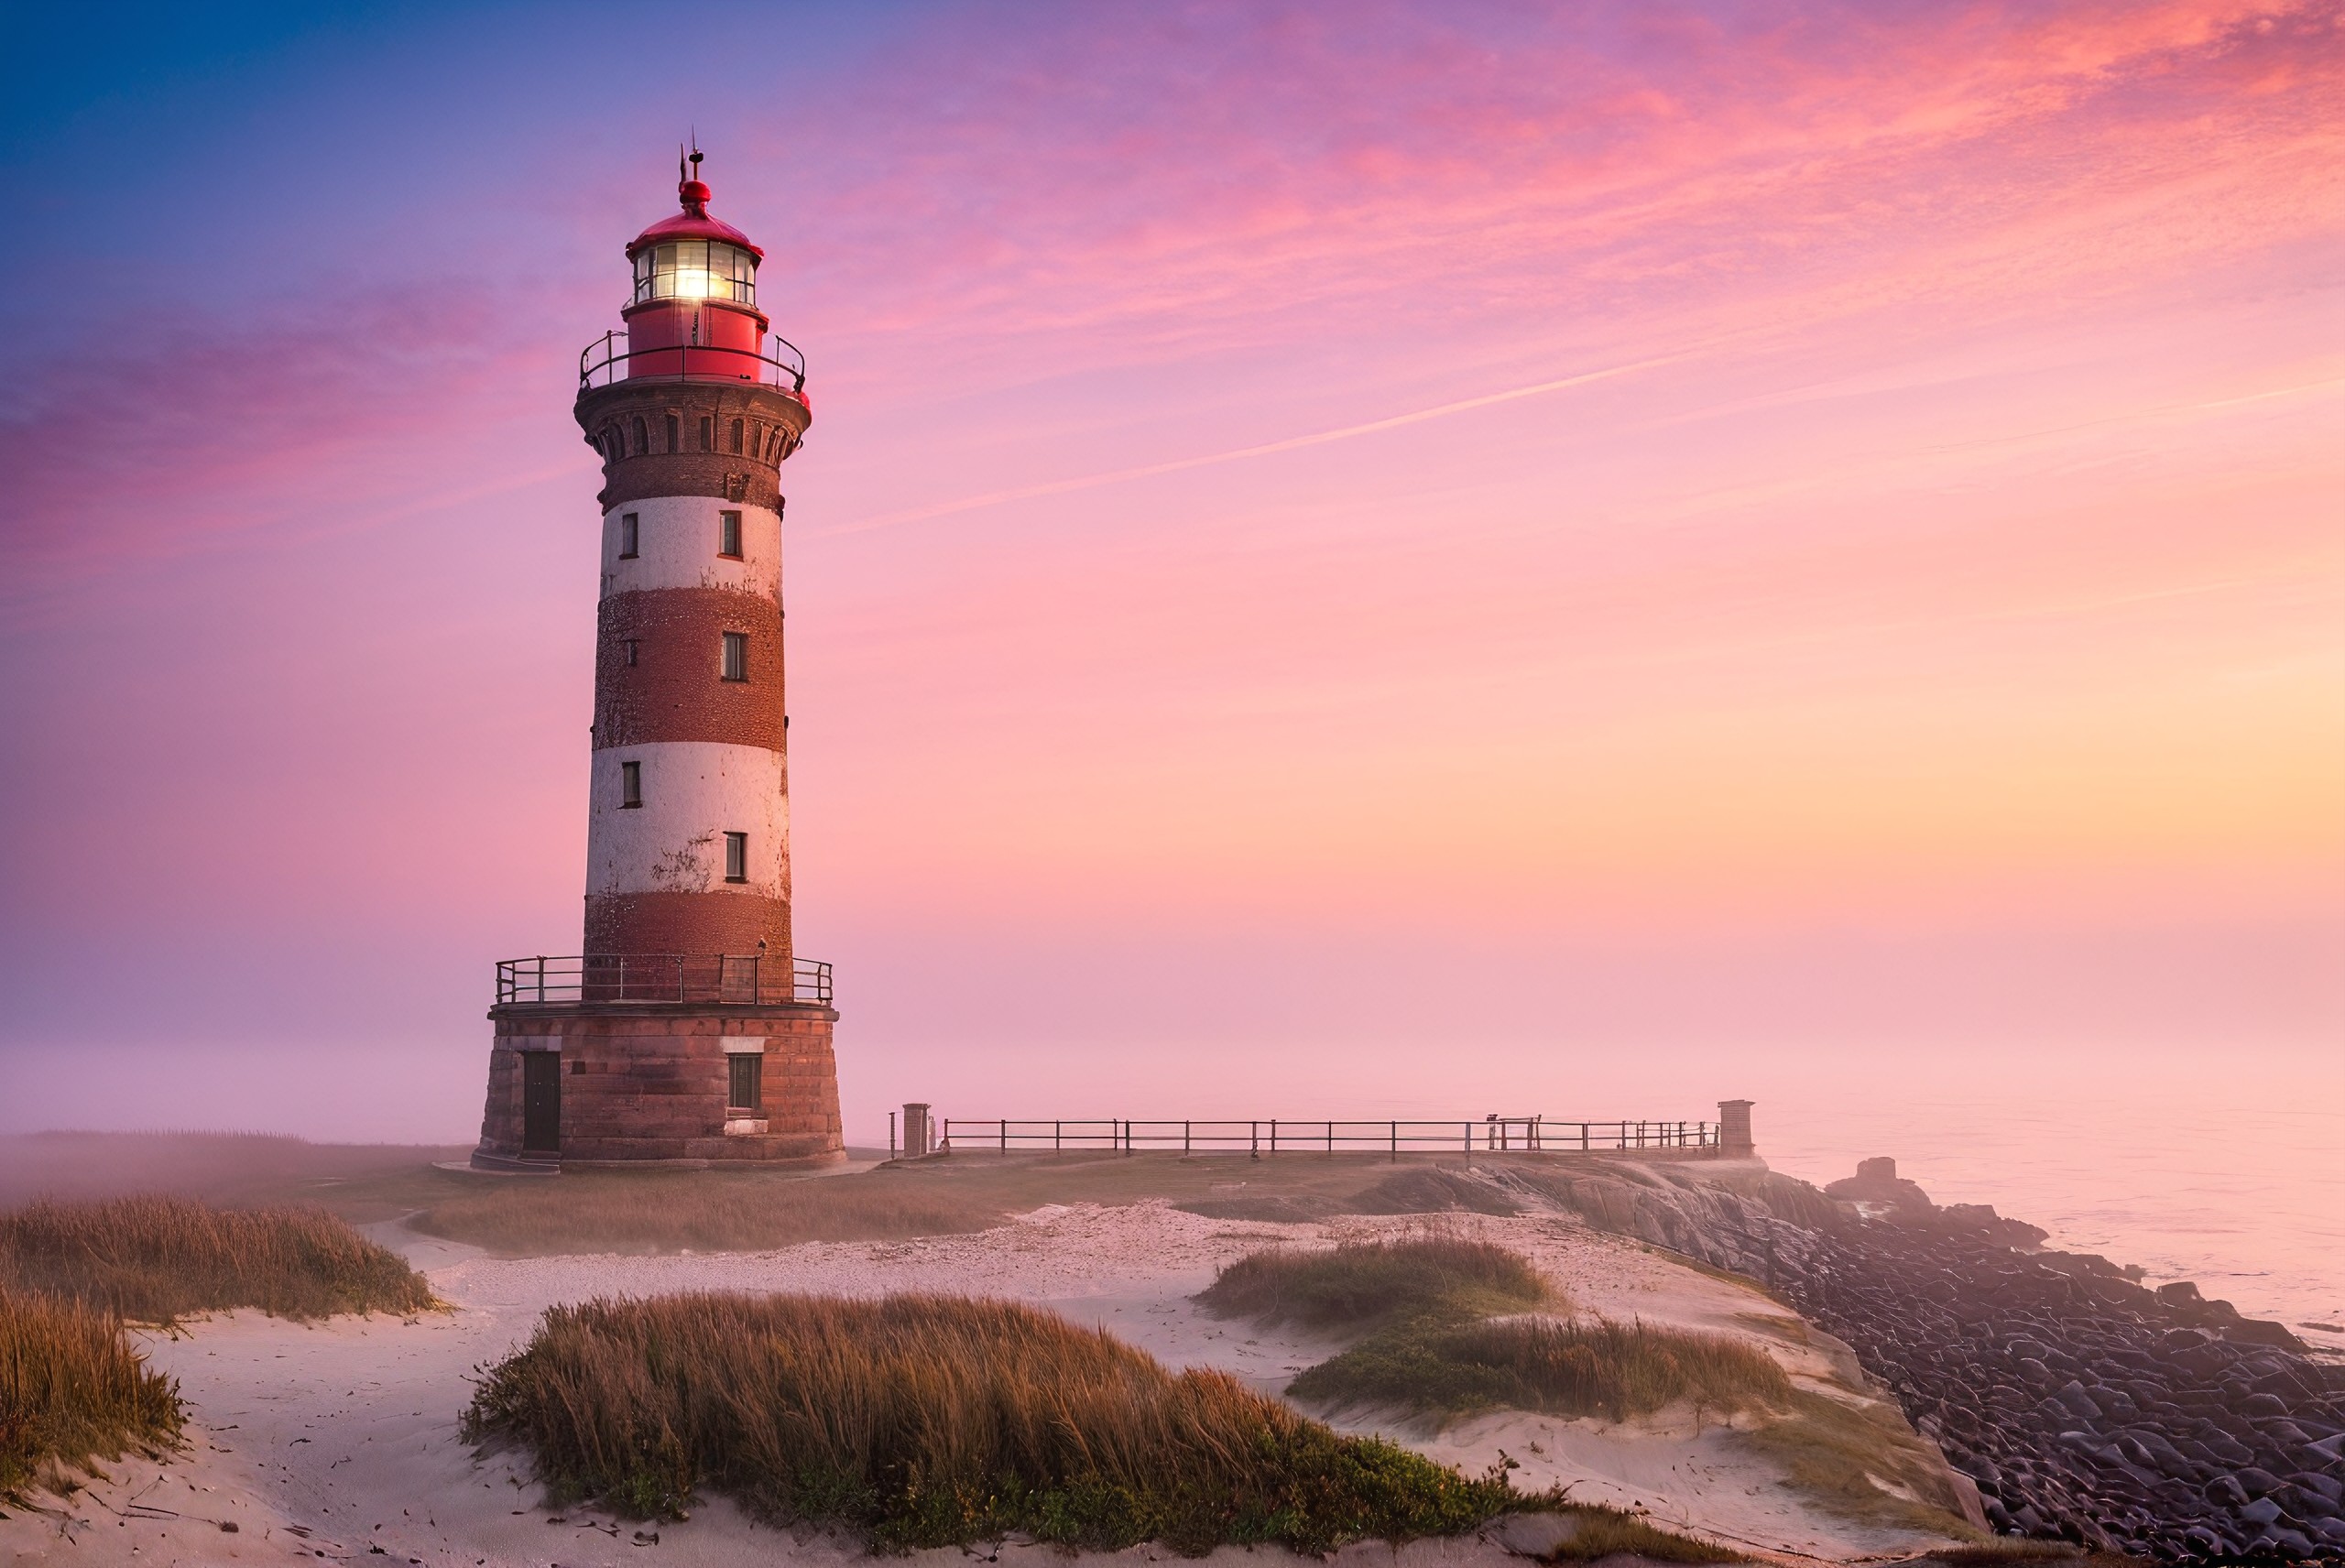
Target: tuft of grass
[1426, 1312]
[1590, 1367]
[1831, 1451]
[1362, 1285]
[73, 1390]
[657, 1212]
[932, 1421]
[1600, 1532]
[154, 1259]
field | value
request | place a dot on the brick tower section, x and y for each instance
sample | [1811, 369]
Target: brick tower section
[687, 1032]
[690, 723]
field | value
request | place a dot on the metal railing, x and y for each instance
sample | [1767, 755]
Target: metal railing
[662, 977]
[1523, 1134]
[604, 359]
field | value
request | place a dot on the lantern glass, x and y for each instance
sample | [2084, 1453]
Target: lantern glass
[696, 269]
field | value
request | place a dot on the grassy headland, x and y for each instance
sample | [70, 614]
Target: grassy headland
[655, 1212]
[931, 1420]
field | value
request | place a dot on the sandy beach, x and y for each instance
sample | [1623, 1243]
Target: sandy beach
[340, 1438]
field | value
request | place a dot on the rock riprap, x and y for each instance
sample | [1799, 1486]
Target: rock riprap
[2084, 1406]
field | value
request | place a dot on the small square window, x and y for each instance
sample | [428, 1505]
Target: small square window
[576, 1067]
[728, 534]
[627, 532]
[630, 784]
[737, 857]
[736, 666]
[744, 1091]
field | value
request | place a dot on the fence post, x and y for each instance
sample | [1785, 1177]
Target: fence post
[1274, 1134]
[1005, 1135]
[891, 1135]
[1054, 1135]
[1396, 1143]
[1253, 1140]
[1184, 1136]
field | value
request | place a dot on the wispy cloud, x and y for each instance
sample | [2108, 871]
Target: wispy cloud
[1263, 449]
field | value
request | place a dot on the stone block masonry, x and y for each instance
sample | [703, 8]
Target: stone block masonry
[651, 1083]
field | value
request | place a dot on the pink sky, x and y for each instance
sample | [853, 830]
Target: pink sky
[1402, 546]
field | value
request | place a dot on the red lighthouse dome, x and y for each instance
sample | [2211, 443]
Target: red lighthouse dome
[694, 312]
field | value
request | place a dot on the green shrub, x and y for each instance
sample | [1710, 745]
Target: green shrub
[932, 1421]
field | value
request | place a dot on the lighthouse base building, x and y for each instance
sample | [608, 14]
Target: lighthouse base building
[688, 1029]
[576, 1083]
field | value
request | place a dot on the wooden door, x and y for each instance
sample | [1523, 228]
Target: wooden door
[541, 1102]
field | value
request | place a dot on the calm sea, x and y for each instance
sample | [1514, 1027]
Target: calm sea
[2237, 1186]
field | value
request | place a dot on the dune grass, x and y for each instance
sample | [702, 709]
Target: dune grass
[154, 1259]
[1600, 1532]
[931, 1420]
[1364, 1285]
[1435, 1336]
[663, 1212]
[1833, 1452]
[73, 1390]
[1589, 1366]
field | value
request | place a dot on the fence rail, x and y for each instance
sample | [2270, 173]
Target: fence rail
[1530, 1133]
[649, 978]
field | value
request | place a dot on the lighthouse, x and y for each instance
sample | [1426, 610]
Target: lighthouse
[686, 1029]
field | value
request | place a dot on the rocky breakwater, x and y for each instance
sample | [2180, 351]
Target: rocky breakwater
[2084, 1405]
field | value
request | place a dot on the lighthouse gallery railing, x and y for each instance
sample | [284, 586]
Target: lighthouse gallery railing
[650, 977]
[607, 359]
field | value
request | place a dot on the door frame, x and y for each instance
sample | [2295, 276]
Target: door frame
[546, 1079]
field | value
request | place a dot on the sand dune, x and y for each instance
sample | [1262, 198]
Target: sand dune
[339, 1439]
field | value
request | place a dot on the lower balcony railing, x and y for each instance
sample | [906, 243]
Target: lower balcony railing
[662, 977]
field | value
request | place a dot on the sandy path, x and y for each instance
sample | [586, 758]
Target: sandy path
[339, 1440]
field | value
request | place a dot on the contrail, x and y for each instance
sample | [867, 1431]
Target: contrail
[1117, 476]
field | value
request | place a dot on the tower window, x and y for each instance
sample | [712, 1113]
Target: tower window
[675, 435]
[728, 534]
[737, 435]
[631, 645]
[737, 857]
[735, 663]
[642, 438]
[744, 1091]
[707, 432]
[629, 538]
[630, 785]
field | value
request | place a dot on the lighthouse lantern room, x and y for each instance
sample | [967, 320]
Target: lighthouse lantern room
[688, 1029]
